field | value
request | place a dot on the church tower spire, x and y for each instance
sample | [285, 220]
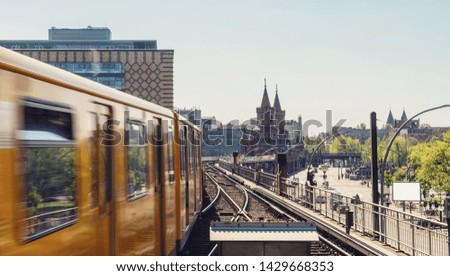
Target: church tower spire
[390, 119]
[404, 118]
[276, 103]
[265, 101]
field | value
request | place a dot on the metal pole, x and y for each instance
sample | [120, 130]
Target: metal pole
[375, 196]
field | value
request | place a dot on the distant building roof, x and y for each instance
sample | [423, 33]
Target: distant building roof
[89, 33]
[79, 44]
[79, 39]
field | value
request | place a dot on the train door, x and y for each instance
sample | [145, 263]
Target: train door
[159, 178]
[102, 179]
[184, 174]
[170, 188]
[198, 162]
[191, 178]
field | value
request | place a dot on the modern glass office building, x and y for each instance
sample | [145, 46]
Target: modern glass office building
[136, 67]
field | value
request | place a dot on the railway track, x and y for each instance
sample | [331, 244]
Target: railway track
[248, 206]
[335, 241]
[227, 200]
[327, 245]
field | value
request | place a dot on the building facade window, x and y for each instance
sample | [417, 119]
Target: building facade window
[109, 74]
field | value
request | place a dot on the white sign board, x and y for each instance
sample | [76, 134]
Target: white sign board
[406, 191]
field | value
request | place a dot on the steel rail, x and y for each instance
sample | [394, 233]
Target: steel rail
[234, 205]
[206, 209]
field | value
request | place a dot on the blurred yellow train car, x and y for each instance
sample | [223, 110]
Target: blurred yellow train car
[89, 170]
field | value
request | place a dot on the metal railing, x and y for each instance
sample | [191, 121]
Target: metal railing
[404, 232]
[43, 224]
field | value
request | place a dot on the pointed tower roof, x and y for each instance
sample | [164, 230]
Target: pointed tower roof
[276, 103]
[404, 118]
[265, 101]
[390, 119]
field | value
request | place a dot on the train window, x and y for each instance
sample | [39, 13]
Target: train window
[49, 168]
[170, 153]
[137, 160]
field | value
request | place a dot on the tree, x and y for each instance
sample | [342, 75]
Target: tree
[33, 198]
[388, 180]
[398, 154]
[366, 151]
[312, 143]
[49, 177]
[346, 145]
[361, 126]
[431, 163]
[399, 175]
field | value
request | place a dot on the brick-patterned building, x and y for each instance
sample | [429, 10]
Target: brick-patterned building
[135, 67]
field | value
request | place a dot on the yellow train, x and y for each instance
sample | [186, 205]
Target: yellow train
[89, 170]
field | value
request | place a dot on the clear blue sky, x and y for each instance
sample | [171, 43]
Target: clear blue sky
[352, 57]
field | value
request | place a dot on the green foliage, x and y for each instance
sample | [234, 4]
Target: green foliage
[312, 143]
[399, 175]
[398, 155]
[446, 137]
[345, 145]
[431, 163]
[137, 169]
[33, 198]
[366, 151]
[388, 178]
[49, 176]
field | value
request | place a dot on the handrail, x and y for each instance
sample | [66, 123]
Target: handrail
[51, 213]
